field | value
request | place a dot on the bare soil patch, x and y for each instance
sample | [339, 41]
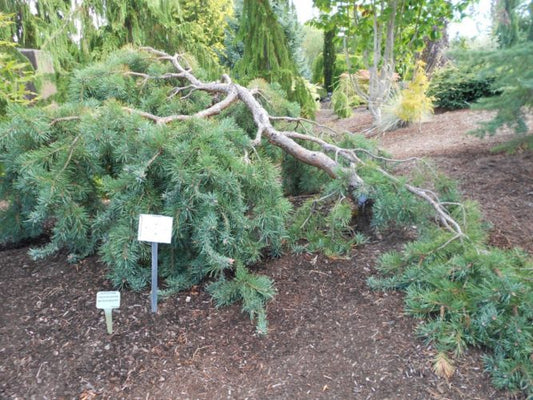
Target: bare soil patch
[330, 336]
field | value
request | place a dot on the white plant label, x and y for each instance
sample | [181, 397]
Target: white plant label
[108, 301]
[155, 228]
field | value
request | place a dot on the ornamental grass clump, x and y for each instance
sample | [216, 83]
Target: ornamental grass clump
[409, 105]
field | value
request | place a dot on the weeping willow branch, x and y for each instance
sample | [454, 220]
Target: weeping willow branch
[286, 140]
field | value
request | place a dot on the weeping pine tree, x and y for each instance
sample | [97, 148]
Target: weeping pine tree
[142, 134]
[89, 168]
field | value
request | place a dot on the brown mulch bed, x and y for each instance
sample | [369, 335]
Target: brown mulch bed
[330, 336]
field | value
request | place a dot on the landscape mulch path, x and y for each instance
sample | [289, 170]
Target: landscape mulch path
[330, 336]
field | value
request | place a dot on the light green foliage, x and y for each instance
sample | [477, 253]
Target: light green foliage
[301, 179]
[14, 73]
[82, 31]
[341, 104]
[305, 94]
[469, 294]
[416, 104]
[344, 97]
[210, 16]
[410, 105]
[312, 45]
[266, 52]
[284, 15]
[253, 290]
[327, 219]
[89, 168]
[326, 225]
[273, 98]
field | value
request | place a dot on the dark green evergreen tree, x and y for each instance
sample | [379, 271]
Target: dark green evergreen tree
[329, 59]
[510, 68]
[288, 19]
[266, 53]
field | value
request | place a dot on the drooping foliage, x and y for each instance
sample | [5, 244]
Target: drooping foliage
[89, 168]
[506, 18]
[345, 97]
[469, 294]
[85, 170]
[285, 11]
[267, 52]
[81, 31]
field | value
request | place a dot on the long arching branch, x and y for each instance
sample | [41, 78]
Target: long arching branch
[327, 159]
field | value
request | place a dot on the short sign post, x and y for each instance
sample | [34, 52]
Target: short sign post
[108, 301]
[155, 229]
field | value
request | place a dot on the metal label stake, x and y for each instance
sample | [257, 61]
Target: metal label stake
[154, 277]
[155, 229]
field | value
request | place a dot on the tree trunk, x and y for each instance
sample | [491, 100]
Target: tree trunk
[382, 69]
[329, 60]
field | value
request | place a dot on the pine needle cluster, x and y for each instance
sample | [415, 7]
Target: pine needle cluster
[468, 294]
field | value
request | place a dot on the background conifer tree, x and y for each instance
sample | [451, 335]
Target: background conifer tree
[267, 52]
[509, 67]
[77, 32]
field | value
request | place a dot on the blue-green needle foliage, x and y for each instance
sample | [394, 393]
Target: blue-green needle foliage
[88, 168]
[469, 294]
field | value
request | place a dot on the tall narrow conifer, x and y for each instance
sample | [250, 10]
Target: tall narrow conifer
[267, 55]
[266, 52]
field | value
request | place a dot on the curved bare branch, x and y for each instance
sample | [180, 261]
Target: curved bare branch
[286, 140]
